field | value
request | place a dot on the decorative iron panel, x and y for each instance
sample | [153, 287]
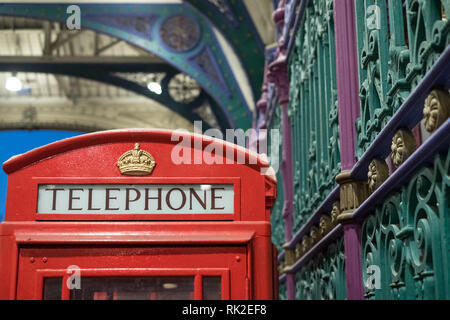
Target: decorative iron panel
[407, 238]
[276, 216]
[313, 109]
[323, 277]
[282, 290]
[398, 42]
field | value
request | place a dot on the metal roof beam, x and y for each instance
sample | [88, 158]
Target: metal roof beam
[81, 59]
[106, 47]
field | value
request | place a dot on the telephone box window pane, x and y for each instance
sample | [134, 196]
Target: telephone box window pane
[212, 288]
[134, 288]
[52, 288]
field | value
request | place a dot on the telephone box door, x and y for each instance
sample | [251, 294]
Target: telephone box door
[89, 273]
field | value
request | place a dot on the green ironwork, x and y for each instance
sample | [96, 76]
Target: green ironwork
[276, 217]
[282, 291]
[323, 278]
[398, 42]
[408, 238]
[313, 109]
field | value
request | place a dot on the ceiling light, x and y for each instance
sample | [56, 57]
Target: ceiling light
[154, 87]
[170, 286]
[13, 84]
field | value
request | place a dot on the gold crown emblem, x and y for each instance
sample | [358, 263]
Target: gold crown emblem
[136, 162]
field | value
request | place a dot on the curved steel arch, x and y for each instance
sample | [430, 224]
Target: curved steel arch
[234, 21]
[98, 73]
[205, 62]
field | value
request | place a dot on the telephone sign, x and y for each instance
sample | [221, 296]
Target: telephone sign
[135, 199]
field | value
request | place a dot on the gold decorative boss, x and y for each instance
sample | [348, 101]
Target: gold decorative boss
[136, 162]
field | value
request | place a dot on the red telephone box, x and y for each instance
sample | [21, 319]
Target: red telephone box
[117, 215]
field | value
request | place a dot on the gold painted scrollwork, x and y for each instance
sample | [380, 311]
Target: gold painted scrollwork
[289, 257]
[335, 212]
[352, 194]
[306, 244]
[436, 109]
[299, 251]
[378, 173]
[403, 145]
[314, 235]
[325, 225]
[281, 268]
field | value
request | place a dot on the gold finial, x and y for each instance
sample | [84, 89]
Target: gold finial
[136, 162]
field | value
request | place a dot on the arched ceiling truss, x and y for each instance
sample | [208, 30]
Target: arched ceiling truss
[180, 35]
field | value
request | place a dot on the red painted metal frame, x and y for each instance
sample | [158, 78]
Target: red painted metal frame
[146, 180]
[91, 159]
[197, 273]
[112, 262]
[127, 136]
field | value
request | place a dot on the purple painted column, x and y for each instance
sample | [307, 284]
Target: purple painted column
[279, 75]
[353, 266]
[347, 78]
[349, 111]
[259, 137]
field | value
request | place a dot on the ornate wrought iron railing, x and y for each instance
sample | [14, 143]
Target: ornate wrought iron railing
[398, 42]
[406, 237]
[404, 65]
[313, 109]
[277, 210]
[323, 277]
[282, 290]
[390, 211]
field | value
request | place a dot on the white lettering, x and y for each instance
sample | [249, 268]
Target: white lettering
[136, 199]
[73, 22]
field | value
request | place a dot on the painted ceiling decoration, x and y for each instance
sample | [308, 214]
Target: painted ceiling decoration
[182, 34]
[225, 9]
[139, 25]
[184, 89]
[232, 18]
